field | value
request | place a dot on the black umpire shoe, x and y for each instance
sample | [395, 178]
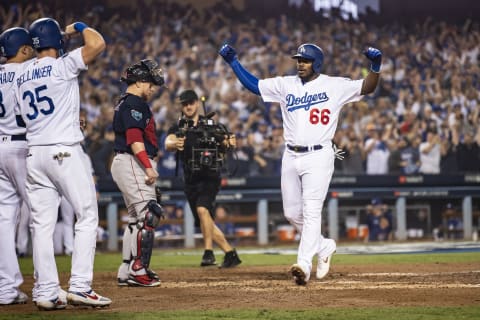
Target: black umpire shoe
[231, 260]
[208, 259]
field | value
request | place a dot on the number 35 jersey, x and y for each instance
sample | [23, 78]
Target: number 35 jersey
[310, 111]
[49, 99]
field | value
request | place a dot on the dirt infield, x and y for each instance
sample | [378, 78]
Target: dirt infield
[441, 284]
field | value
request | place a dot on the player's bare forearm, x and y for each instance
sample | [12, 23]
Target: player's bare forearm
[94, 45]
[137, 147]
[370, 82]
[94, 42]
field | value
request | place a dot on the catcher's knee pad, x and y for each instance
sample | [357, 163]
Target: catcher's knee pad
[153, 215]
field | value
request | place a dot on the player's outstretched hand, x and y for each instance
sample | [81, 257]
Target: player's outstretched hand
[339, 153]
[375, 56]
[228, 53]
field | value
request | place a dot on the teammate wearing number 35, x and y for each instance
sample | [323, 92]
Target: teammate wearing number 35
[48, 94]
[310, 104]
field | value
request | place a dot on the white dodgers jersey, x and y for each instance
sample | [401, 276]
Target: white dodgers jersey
[48, 94]
[8, 102]
[310, 111]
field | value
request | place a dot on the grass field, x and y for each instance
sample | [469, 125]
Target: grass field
[168, 259]
[176, 261]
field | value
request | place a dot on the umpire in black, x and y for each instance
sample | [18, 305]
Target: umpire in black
[201, 186]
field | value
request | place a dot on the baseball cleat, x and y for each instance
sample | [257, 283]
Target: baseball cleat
[122, 282]
[323, 266]
[143, 281]
[208, 259]
[152, 274]
[58, 303]
[299, 275]
[87, 298]
[231, 260]
[21, 298]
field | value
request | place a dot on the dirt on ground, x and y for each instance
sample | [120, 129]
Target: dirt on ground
[442, 284]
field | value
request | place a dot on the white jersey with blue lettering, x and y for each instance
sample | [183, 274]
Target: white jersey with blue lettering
[49, 99]
[13, 152]
[8, 102]
[310, 111]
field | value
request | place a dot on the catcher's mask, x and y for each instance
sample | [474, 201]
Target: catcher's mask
[144, 71]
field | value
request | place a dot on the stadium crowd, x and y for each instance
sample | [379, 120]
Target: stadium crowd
[423, 118]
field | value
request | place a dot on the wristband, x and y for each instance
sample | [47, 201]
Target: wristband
[375, 67]
[143, 158]
[79, 26]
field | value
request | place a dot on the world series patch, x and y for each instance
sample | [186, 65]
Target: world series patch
[136, 115]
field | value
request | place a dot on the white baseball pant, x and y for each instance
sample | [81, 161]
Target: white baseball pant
[12, 193]
[305, 181]
[47, 179]
[129, 175]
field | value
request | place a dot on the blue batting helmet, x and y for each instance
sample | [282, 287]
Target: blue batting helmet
[46, 33]
[12, 39]
[311, 52]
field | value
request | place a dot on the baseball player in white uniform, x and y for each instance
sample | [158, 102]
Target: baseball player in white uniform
[48, 94]
[63, 233]
[310, 104]
[16, 46]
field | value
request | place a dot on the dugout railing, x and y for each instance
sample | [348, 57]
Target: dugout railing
[401, 193]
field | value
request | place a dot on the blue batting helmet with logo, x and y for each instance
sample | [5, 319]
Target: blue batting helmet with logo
[311, 52]
[46, 33]
[13, 39]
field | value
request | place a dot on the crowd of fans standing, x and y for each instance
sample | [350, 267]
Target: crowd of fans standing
[423, 118]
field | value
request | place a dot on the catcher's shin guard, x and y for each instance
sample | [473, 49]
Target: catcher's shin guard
[146, 234]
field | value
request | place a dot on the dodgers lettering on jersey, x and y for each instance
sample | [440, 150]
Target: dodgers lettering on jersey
[305, 102]
[8, 102]
[310, 111]
[47, 92]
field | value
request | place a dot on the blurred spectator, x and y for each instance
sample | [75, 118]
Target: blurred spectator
[448, 153]
[417, 224]
[376, 151]
[353, 162]
[101, 153]
[404, 159]
[379, 221]
[430, 79]
[241, 160]
[468, 153]
[221, 215]
[430, 153]
[172, 212]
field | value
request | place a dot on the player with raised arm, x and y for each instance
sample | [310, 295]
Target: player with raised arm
[310, 103]
[16, 47]
[48, 94]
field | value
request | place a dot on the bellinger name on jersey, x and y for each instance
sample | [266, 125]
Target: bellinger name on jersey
[305, 102]
[33, 74]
